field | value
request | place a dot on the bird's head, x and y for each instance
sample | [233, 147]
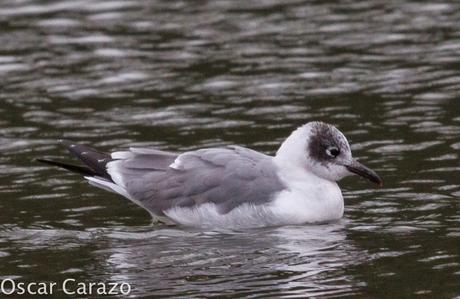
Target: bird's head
[324, 150]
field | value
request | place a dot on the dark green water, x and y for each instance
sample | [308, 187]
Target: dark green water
[178, 75]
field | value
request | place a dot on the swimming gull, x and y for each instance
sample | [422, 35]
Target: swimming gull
[231, 187]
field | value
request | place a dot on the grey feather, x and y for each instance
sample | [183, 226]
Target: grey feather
[150, 161]
[227, 177]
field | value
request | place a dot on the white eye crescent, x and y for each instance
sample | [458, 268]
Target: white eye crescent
[333, 151]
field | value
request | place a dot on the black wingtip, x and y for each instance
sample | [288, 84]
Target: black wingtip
[95, 161]
[70, 167]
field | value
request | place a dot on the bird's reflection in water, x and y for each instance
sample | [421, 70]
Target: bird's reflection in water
[297, 260]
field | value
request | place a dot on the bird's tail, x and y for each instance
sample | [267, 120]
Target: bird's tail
[95, 162]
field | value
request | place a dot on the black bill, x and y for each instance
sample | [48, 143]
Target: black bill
[364, 172]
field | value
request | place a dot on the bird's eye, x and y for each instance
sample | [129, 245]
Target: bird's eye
[333, 151]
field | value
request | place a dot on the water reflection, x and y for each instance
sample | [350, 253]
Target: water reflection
[267, 262]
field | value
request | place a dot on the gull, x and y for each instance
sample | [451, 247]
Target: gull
[231, 187]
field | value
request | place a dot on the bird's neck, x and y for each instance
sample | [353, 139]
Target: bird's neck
[291, 172]
[292, 150]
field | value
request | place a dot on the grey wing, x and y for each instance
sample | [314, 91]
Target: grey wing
[227, 177]
[131, 169]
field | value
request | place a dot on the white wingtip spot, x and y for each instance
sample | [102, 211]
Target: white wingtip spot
[121, 155]
[176, 165]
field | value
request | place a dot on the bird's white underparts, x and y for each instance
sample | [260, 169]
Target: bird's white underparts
[231, 187]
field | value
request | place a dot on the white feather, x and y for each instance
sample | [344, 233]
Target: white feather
[307, 198]
[122, 155]
[112, 187]
[207, 215]
[177, 164]
[107, 185]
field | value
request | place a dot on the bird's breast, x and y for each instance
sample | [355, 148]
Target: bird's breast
[310, 203]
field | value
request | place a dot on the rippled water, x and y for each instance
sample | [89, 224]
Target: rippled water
[177, 75]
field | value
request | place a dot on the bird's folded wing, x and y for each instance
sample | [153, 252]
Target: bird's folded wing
[227, 177]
